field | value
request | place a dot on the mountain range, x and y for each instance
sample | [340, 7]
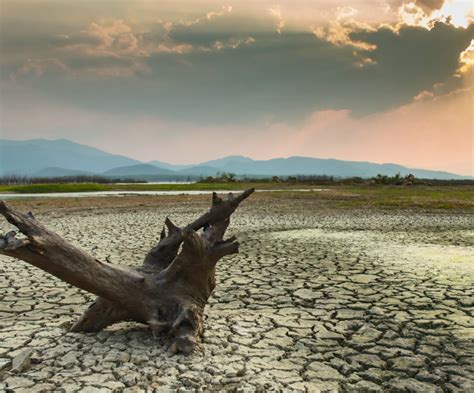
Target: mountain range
[62, 157]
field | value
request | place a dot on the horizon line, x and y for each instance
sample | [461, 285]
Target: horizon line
[405, 166]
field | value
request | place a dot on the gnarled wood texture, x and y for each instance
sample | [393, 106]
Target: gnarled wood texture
[168, 292]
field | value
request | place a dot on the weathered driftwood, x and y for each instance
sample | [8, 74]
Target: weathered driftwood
[168, 292]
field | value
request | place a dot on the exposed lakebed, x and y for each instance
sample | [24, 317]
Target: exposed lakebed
[317, 300]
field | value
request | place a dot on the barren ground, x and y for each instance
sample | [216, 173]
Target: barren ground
[319, 299]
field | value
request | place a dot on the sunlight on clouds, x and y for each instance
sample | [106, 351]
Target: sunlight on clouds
[208, 16]
[413, 15]
[233, 43]
[338, 34]
[276, 12]
[337, 31]
[459, 13]
[118, 48]
[467, 59]
[225, 10]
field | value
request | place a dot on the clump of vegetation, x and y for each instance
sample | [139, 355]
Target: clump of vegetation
[397, 180]
[221, 177]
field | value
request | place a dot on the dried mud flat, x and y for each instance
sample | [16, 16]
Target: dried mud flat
[317, 300]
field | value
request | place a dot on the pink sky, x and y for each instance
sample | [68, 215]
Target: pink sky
[432, 133]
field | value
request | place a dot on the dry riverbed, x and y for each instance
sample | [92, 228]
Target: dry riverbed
[319, 299]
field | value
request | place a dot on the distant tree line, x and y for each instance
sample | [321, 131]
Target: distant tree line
[228, 177]
[18, 179]
[396, 180]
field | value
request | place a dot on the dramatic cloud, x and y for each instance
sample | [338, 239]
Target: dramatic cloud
[459, 13]
[250, 76]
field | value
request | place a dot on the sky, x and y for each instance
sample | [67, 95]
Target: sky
[188, 81]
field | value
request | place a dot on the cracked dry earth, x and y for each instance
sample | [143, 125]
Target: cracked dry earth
[317, 300]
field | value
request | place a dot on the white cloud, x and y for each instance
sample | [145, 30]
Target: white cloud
[233, 43]
[338, 33]
[225, 10]
[276, 12]
[459, 13]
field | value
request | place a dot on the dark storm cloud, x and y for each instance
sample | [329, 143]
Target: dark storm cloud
[413, 59]
[281, 76]
[285, 77]
[236, 68]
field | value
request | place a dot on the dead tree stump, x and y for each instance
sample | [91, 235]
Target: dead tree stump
[168, 292]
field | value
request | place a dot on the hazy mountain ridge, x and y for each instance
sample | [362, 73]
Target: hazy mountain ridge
[30, 156]
[61, 172]
[165, 165]
[138, 169]
[61, 157]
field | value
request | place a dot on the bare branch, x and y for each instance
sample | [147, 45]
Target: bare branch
[172, 229]
[160, 256]
[51, 253]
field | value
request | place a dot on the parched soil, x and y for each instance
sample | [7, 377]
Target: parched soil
[319, 299]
